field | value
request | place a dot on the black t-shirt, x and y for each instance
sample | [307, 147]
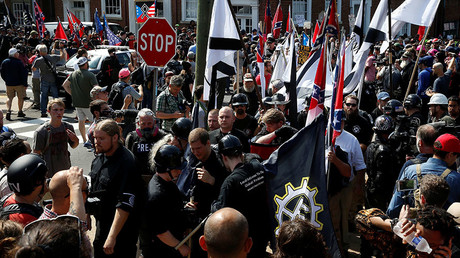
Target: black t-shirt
[360, 128]
[216, 135]
[253, 101]
[248, 125]
[162, 212]
[245, 190]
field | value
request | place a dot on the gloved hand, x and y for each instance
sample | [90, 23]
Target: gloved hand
[285, 132]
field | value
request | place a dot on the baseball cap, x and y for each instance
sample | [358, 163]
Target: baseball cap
[12, 51]
[448, 143]
[425, 60]
[97, 89]
[248, 77]
[124, 73]
[407, 54]
[383, 95]
[81, 61]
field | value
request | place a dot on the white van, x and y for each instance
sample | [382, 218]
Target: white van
[51, 26]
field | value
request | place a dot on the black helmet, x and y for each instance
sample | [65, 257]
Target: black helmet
[26, 173]
[383, 124]
[393, 107]
[413, 101]
[240, 99]
[230, 146]
[169, 157]
[181, 128]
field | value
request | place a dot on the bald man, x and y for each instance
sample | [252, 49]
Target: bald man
[226, 120]
[226, 234]
[69, 190]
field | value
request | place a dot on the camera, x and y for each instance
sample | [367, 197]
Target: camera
[183, 105]
[406, 185]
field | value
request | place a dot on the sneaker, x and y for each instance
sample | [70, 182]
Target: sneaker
[21, 114]
[44, 115]
[88, 145]
[8, 116]
[36, 106]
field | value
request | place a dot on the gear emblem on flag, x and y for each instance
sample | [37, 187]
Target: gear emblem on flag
[298, 202]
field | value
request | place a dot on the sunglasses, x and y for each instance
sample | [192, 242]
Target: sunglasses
[351, 104]
[67, 221]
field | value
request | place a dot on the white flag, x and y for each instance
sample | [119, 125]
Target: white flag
[223, 41]
[419, 12]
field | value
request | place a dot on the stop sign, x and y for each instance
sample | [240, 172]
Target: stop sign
[156, 42]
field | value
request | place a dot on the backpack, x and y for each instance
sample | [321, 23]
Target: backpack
[116, 99]
[18, 208]
[418, 202]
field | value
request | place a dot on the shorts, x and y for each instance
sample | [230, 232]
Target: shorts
[83, 114]
[12, 91]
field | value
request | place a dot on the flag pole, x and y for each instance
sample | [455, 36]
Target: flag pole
[390, 47]
[237, 72]
[416, 62]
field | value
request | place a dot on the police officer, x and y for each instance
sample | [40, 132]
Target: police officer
[163, 218]
[399, 140]
[412, 107]
[26, 178]
[141, 141]
[380, 164]
[246, 196]
[116, 184]
[244, 121]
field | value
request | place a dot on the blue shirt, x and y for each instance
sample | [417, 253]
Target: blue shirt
[424, 81]
[432, 166]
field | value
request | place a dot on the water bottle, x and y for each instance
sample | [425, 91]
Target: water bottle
[419, 242]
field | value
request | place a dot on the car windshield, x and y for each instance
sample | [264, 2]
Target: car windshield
[94, 62]
[123, 58]
[71, 62]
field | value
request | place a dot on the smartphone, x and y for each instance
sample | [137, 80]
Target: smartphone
[406, 185]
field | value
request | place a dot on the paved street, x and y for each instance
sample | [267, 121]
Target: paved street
[26, 126]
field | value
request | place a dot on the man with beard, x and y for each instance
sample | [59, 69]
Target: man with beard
[244, 122]
[116, 184]
[250, 91]
[438, 109]
[109, 69]
[355, 123]
[453, 109]
[141, 141]
[407, 66]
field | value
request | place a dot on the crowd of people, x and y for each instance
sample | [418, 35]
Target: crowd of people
[162, 170]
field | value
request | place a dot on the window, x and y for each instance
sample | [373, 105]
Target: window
[406, 29]
[244, 17]
[191, 10]
[17, 12]
[112, 8]
[301, 11]
[79, 10]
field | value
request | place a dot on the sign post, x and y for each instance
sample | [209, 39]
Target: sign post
[156, 44]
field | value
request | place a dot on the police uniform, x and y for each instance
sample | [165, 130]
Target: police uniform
[162, 212]
[415, 120]
[245, 190]
[382, 174]
[140, 145]
[116, 183]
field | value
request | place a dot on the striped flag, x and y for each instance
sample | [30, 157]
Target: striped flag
[152, 11]
[76, 27]
[337, 96]
[98, 27]
[317, 96]
[277, 21]
[26, 15]
[288, 25]
[39, 19]
[260, 62]
[268, 19]
[111, 37]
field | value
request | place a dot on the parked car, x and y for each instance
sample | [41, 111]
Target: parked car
[51, 26]
[96, 57]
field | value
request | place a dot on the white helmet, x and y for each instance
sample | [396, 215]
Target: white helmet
[438, 99]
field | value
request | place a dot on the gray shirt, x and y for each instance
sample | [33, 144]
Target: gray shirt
[131, 91]
[46, 74]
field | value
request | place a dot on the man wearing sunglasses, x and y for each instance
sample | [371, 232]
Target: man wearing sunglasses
[356, 124]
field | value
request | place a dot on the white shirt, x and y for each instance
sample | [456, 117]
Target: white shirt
[350, 145]
[4, 188]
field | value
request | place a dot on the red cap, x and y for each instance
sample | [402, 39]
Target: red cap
[448, 143]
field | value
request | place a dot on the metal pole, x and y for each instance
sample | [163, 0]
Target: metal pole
[237, 72]
[155, 89]
[181, 243]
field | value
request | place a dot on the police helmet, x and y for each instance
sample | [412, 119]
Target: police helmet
[393, 107]
[413, 101]
[230, 145]
[169, 157]
[26, 173]
[181, 128]
[240, 99]
[383, 124]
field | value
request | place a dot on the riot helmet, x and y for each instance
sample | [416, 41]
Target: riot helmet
[413, 101]
[230, 145]
[383, 124]
[393, 108]
[169, 157]
[181, 128]
[26, 173]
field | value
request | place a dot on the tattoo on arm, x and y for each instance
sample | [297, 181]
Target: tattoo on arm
[72, 210]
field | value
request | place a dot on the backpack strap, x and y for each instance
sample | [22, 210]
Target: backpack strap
[18, 208]
[419, 172]
[446, 173]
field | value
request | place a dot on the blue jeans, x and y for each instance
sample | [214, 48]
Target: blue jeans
[45, 87]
